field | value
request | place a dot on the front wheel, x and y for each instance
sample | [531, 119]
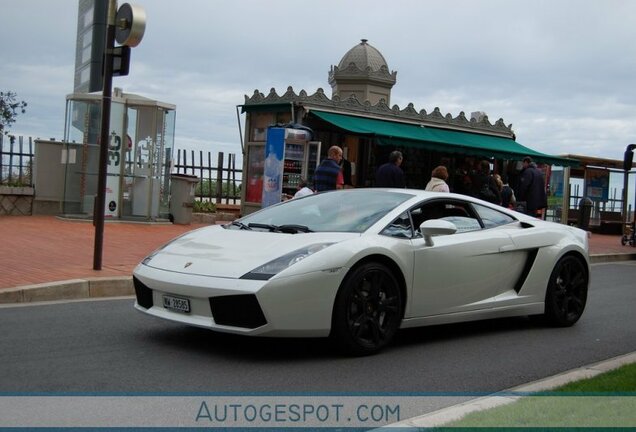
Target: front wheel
[368, 310]
[567, 292]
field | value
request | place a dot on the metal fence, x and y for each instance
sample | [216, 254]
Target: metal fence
[220, 183]
[16, 161]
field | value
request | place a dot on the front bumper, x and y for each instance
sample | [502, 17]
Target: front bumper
[294, 306]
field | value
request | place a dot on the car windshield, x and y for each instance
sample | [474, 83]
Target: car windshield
[349, 210]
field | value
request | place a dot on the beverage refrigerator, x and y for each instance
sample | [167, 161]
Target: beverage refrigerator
[290, 155]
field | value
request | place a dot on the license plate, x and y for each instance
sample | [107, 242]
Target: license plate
[176, 304]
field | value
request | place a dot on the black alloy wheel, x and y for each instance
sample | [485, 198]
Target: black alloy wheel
[567, 292]
[368, 310]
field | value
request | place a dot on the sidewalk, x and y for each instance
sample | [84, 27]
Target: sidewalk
[38, 250]
[47, 251]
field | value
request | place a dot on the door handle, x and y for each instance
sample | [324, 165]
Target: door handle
[506, 248]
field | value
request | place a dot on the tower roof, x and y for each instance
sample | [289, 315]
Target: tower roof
[362, 63]
[363, 55]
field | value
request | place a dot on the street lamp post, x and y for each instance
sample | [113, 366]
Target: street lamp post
[131, 24]
[104, 141]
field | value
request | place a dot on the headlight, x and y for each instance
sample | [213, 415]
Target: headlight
[276, 266]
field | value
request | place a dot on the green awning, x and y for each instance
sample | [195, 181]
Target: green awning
[440, 140]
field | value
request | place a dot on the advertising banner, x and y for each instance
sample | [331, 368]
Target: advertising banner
[273, 169]
[111, 210]
[597, 184]
[556, 183]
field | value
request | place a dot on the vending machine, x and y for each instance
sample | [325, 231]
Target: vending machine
[290, 156]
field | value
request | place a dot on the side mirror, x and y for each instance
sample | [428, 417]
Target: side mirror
[434, 227]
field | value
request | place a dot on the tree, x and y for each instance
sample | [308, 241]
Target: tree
[10, 107]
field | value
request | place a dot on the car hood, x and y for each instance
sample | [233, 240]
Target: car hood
[229, 253]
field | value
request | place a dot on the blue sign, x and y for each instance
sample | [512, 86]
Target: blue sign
[273, 168]
[597, 184]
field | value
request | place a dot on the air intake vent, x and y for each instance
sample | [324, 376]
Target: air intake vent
[237, 311]
[143, 293]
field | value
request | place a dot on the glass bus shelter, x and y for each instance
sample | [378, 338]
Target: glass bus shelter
[141, 142]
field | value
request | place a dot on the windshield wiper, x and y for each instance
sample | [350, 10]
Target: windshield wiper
[293, 228]
[241, 225]
[287, 228]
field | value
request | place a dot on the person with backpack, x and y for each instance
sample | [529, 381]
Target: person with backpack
[484, 185]
[508, 198]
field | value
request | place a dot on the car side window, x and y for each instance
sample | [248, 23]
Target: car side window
[401, 227]
[459, 213]
[492, 218]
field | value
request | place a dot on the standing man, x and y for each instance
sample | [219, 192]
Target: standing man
[326, 175]
[532, 188]
[390, 174]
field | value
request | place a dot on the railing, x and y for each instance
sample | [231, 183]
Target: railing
[16, 161]
[217, 183]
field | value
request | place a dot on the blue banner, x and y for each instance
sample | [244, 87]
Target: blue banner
[273, 169]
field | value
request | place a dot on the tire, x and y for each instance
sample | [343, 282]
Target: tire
[624, 240]
[567, 292]
[367, 310]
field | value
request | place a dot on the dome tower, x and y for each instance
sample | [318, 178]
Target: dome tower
[363, 71]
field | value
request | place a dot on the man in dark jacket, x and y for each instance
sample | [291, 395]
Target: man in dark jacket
[326, 175]
[532, 188]
[390, 174]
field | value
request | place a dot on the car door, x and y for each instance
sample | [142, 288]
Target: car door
[464, 271]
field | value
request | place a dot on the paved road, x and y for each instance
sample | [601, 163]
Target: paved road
[106, 346]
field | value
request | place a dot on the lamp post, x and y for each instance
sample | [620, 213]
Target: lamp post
[104, 142]
[131, 24]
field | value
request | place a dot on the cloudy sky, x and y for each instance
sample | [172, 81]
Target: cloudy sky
[562, 72]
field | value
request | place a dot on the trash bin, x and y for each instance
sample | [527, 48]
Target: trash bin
[585, 210]
[182, 197]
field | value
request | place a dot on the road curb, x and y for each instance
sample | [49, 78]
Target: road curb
[604, 258]
[72, 289]
[446, 415]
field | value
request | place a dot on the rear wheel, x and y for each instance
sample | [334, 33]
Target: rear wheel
[567, 292]
[368, 310]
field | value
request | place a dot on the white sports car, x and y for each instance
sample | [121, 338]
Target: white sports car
[359, 264]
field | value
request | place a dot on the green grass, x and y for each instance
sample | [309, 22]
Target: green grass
[618, 380]
[606, 400]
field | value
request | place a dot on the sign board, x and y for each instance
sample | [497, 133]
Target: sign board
[597, 184]
[273, 168]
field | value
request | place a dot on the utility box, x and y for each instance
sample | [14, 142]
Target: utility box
[182, 187]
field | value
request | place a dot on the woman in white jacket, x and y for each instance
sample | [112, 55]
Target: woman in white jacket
[438, 180]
